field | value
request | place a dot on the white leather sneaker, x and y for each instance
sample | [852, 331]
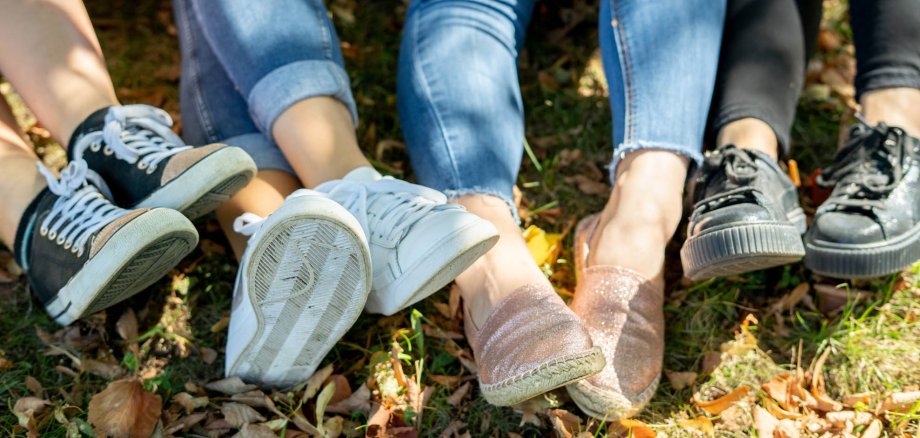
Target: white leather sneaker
[418, 242]
[302, 283]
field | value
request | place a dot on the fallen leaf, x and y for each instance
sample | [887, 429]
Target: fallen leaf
[34, 386]
[779, 388]
[454, 300]
[714, 407]
[322, 400]
[852, 400]
[342, 388]
[238, 414]
[315, 382]
[700, 423]
[564, 422]
[109, 371]
[208, 355]
[637, 429]
[587, 185]
[127, 325]
[230, 385]
[124, 409]
[900, 400]
[255, 431]
[446, 381]
[377, 423]
[254, 398]
[790, 300]
[874, 430]
[544, 248]
[842, 417]
[680, 379]
[25, 410]
[189, 402]
[458, 395]
[358, 401]
[711, 361]
[185, 423]
[221, 324]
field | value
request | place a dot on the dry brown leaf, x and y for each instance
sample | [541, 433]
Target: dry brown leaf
[315, 382]
[34, 386]
[446, 381]
[127, 325]
[786, 429]
[637, 429]
[109, 371]
[25, 410]
[124, 409]
[701, 423]
[378, 421]
[358, 401]
[852, 400]
[789, 300]
[208, 355]
[334, 427]
[185, 423]
[458, 395]
[443, 309]
[714, 407]
[587, 185]
[680, 379]
[780, 388]
[238, 414]
[454, 300]
[342, 388]
[255, 398]
[874, 430]
[230, 385]
[778, 412]
[221, 324]
[711, 361]
[255, 431]
[564, 422]
[189, 402]
[839, 419]
[900, 400]
[5, 364]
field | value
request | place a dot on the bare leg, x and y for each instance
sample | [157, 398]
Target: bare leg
[52, 57]
[642, 213]
[318, 138]
[502, 270]
[895, 106]
[20, 181]
[749, 133]
[264, 194]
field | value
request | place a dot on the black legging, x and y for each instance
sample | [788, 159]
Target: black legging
[765, 50]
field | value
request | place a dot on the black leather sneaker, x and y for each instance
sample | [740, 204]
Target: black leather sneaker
[746, 216]
[82, 254]
[870, 224]
[147, 165]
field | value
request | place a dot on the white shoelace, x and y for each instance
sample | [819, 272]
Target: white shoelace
[138, 134]
[80, 210]
[403, 205]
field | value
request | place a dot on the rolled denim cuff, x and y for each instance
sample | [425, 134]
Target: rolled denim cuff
[887, 77]
[263, 151]
[500, 194]
[695, 156]
[294, 82]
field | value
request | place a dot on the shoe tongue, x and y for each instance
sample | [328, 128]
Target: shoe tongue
[95, 122]
[363, 174]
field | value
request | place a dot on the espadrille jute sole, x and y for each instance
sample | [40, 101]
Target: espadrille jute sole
[544, 378]
[606, 405]
[741, 248]
[863, 260]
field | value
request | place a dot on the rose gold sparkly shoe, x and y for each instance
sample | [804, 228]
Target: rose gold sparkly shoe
[624, 314]
[530, 344]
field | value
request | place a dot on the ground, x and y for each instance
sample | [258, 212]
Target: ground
[780, 350]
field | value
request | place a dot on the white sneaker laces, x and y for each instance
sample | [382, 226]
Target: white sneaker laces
[81, 210]
[387, 206]
[138, 134]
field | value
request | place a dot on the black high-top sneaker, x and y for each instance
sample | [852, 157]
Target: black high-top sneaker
[83, 254]
[147, 165]
[746, 217]
[870, 224]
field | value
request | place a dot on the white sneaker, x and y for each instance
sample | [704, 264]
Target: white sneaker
[302, 283]
[418, 242]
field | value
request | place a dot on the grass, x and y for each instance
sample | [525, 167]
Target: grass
[874, 343]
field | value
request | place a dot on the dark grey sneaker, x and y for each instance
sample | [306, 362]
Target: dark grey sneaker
[746, 216]
[134, 146]
[870, 224]
[82, 254]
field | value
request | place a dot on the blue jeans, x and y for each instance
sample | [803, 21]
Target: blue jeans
[244, 62]
[459, 97]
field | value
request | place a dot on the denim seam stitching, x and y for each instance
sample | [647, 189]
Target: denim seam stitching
[626, 69]
[201, 106]
[327, 40]
[430, 100]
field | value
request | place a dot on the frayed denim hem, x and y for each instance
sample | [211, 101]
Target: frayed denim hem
[294, 82]
[454, 194]
[695, 156]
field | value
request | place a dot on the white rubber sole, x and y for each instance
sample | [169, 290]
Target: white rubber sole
[306, 280]
[445, 260]
[206, 185]
[141, 252]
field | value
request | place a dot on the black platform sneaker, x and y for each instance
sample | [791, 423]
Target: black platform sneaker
[870, 224]
[147, 165]
[746, 216]
[83, 254]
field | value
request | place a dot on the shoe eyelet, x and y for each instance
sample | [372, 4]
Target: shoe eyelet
[68, 245]
[59, 240]
[80, 252]
[43, 231]
[107, 150]
[95, 147]
[150, 170]
[141, 165]
[52, 235]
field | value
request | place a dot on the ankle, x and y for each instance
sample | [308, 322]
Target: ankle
[750, 133]
[895, 107]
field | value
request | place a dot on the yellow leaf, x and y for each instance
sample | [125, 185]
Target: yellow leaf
[544, 248]
[638, 429]
[701, 423]
[720, 404]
